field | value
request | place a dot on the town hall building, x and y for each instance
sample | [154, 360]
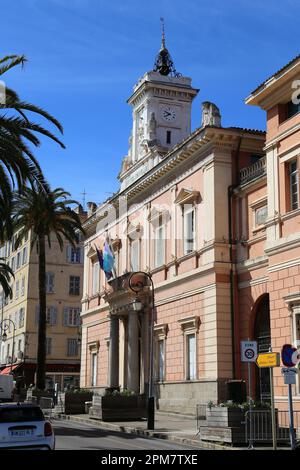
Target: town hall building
[210, 217]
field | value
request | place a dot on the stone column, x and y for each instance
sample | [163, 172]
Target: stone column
[145, 352]
[133, 352]
[114, 352]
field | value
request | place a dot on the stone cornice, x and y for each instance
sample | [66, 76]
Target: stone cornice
[250, 264]
[253, 282]
[282, 245]
[285, 265]
[200, 140]
[181, 88]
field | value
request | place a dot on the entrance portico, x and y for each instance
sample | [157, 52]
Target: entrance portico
[129, 339]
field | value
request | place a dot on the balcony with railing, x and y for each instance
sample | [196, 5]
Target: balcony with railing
[254, 171]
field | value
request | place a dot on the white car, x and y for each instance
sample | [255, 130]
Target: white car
[23, 426]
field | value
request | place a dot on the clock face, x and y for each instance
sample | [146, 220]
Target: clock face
[168, 113]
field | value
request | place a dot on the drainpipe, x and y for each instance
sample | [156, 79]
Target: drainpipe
[232, 262]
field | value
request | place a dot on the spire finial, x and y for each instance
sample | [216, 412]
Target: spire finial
[163, 62]
[163, 38]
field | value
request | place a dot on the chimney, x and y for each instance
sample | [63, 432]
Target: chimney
[79, 209]
[92, 206]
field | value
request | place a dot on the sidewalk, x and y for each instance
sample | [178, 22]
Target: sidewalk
[176, 428]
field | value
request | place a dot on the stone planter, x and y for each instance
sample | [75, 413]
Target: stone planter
[224, 425]
[118, 408]
[228, 425]
[36, 395]
[75, 402]
[223, 417]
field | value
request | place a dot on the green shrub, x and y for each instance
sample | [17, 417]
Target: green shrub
[78, 390]
[243, 406]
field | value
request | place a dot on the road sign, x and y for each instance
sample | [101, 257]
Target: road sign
[289, 374]
[287, 355]
[248, 351]
[268, 360]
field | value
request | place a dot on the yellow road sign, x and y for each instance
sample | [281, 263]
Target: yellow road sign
[268, 360]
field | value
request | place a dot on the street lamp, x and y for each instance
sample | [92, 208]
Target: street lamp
[137, 287]
[4, 326]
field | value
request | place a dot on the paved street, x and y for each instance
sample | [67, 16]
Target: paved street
[71, 436]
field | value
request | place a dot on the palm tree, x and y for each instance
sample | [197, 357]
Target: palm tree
[5, 275]
[45, 213]
[17, 134]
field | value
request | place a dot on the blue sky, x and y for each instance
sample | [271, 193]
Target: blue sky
[84, 56]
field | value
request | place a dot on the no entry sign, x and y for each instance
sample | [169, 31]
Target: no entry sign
[248, 351]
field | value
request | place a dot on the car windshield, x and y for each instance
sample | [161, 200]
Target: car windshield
[19, 414]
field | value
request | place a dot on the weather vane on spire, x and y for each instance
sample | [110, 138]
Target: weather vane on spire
[163, 62]
[163, 39]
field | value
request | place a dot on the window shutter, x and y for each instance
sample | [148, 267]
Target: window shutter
[24, 261]
[78, 319]
[65, 316]
[81, 254]
[51, 282]
[53, 316]
[22, 317]
[69, 253]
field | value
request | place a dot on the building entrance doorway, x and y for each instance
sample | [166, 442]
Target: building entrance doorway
[262, 334]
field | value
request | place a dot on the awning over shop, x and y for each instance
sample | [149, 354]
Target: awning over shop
[7, 370]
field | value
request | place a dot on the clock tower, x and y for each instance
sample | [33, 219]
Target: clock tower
[161, 111]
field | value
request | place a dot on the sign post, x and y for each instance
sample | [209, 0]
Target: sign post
[289, 374]
[273, 417]
[249, 354]
[270, 360]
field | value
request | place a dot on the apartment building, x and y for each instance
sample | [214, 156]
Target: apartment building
[268, 214]
[19, 315]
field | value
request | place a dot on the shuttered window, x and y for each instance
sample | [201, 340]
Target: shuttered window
[74, 285]
[21, 317]
[72, 347]
[71, 316]
[18, 260]
[49, 283]
[23, 286]
[17, 289]
[51, 315]
[24, 255]
[74, 255]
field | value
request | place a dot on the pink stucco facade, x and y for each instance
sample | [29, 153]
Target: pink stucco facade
[238, 279]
